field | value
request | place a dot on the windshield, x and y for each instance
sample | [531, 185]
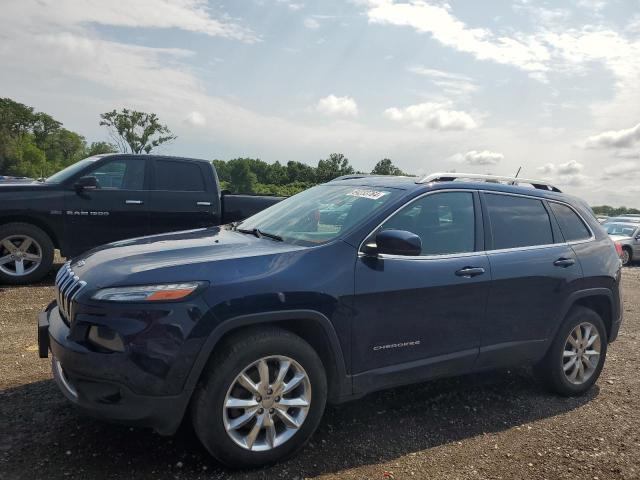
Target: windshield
[320, 214]
[619, 229]
[71, 170]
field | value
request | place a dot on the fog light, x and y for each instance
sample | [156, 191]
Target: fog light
[106, 338]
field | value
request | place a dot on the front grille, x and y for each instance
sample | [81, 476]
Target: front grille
[68, 286]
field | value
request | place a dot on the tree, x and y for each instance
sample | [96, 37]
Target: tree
[241, 178]
[97, 148]
[136, 132]
[334, 166]
[386, 167]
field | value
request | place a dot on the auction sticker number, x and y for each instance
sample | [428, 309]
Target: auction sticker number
[370, 194]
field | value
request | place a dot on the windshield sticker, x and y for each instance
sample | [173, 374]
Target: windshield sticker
[370, 194]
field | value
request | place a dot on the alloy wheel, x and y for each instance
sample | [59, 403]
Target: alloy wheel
[581, 354]
[625, 257]
[20, 255]
[267, 403]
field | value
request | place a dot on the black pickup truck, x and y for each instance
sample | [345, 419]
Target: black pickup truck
[106, 198]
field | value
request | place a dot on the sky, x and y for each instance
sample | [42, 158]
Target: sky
[468, 85]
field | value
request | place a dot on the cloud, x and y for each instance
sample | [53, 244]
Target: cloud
[196, 119]
[432, 115]
[625, 168]
[547, 168]
[526, 53]
[452, 84]
[570, 168]
[337, 106]
[624, 138]
[189, 15]
[311, 23]
[485, 157]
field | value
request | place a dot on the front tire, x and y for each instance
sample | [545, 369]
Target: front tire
[261, 398]
[576, 356]
[26, 253]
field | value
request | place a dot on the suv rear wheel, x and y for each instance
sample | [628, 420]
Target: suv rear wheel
[576, 356]
[261, 398]
[26, 253]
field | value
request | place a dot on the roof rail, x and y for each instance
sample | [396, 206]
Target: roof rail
[451, 176]
[351, 176]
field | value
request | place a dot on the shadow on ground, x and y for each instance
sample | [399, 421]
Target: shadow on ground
[44, 437]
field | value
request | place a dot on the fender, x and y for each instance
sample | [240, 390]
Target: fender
[343, 380]
[577, 295]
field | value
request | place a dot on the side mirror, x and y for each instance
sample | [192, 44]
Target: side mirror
[398, 242]
[86, 183]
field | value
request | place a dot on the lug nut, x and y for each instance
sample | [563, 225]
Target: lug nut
[270, 391]
[258, 399]
[271, 410]
[277, 399]
[260, 411]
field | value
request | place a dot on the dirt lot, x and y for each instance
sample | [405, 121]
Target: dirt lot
[499, 425]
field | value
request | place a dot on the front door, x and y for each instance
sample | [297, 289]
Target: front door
[116, 210]
[421, 317]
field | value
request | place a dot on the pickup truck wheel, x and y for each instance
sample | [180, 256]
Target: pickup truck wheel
[261, 398]
[26, 253]
[576, 356]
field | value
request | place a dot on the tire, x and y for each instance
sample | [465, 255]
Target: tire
[19, 267]
[551, 370]
[626, 257]
[219, 386]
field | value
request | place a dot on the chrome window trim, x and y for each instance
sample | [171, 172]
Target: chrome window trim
[474, 253]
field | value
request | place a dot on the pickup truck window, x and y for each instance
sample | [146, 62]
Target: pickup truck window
[71, 170]
[124, 174]
[178, 176]
[320, 214]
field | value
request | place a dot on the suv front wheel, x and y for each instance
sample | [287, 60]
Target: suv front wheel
[261, 398]
[576, 356]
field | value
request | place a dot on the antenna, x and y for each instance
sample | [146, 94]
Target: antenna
[518, 172]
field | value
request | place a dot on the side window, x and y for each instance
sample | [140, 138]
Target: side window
[445, 222]
[178, 176]
[573, 228]
[124, 174]
[518, 222]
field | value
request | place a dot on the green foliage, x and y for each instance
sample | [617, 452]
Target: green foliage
[136, 132]
[334, 166]
[386, 167]
[99, 148]
[613, 211]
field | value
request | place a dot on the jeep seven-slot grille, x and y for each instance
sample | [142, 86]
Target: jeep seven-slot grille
[68, 286]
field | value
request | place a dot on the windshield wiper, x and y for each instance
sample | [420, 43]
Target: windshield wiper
[259, 233]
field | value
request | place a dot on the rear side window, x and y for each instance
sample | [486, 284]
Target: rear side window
[178, 176]
[573, 228]
[518, 221]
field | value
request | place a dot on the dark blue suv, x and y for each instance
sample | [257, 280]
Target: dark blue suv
[360, 284]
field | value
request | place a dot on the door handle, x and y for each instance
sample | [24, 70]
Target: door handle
[469, 272]
[203, 204]
[133, 202]
[564, 262]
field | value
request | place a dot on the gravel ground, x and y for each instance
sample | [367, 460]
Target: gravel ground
[499, 425]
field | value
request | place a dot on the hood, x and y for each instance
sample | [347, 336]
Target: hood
[620, 238]
[172, 257]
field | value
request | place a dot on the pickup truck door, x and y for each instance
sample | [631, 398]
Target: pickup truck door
[116, 210]
[183, 195]
[422, 316]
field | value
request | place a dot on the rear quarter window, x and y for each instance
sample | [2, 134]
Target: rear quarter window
[178, 176]
[572, 227]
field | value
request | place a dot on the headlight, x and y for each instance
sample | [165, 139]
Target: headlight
[147, 293]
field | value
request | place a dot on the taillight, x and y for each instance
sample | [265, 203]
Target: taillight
[618, 248]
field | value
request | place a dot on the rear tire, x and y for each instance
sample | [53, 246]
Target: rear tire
[577, 354]
[627, 257]
[26, 253]
[281, 429]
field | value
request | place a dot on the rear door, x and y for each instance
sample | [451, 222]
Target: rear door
[182, 196]
[533, 271]
[116, 210]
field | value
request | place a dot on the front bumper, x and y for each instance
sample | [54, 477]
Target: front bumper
[77, 371]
